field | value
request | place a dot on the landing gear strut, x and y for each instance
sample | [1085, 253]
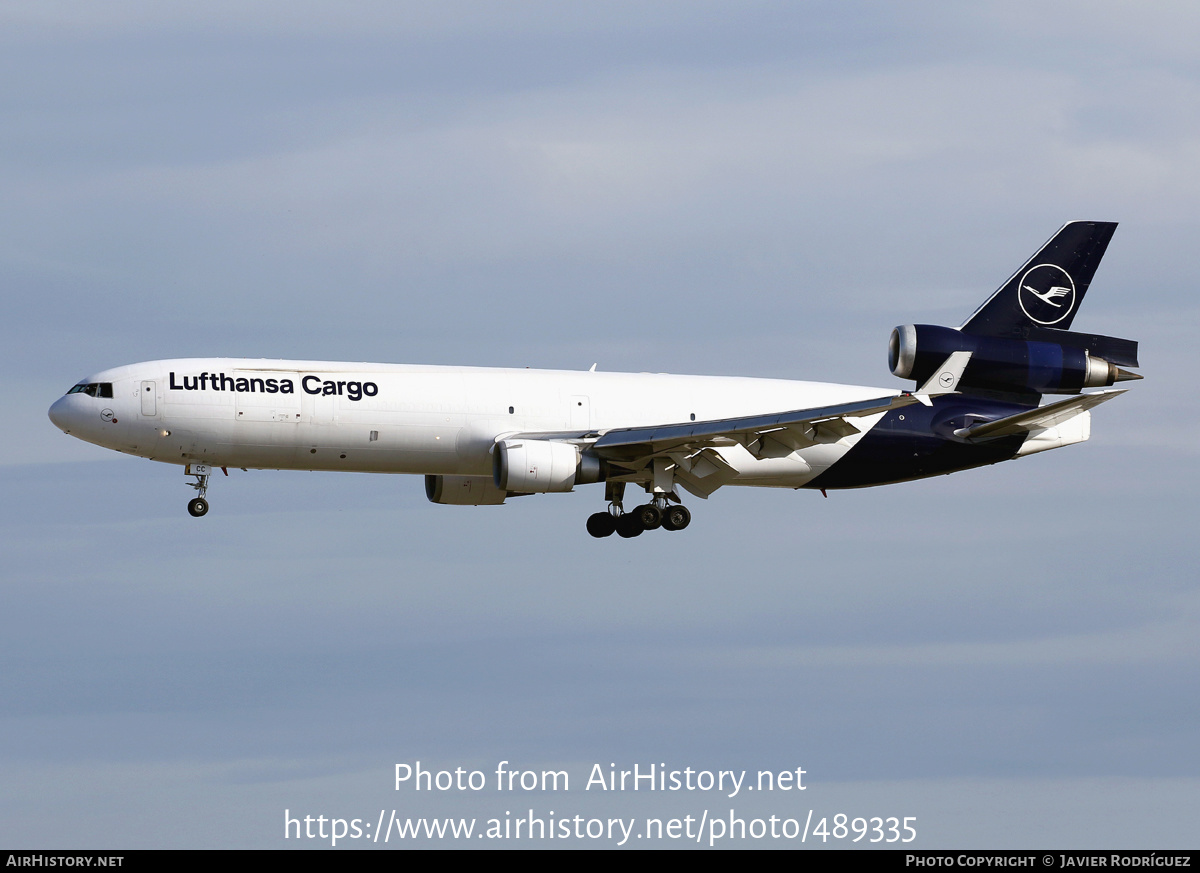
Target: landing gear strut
[198, 506]
[605, 524]
[649, 516]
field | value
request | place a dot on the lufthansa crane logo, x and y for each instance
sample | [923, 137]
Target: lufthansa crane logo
[1046, 293]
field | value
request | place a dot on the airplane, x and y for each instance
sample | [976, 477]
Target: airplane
[482, 435]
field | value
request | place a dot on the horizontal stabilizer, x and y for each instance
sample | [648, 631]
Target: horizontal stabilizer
[1046, 416]
[1122, 352]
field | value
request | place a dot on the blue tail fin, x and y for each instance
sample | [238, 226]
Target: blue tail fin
[1048, 290]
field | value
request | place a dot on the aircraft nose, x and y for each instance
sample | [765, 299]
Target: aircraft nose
[60, 414]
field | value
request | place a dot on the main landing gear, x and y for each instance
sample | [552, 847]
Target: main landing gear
[198, 506]
[659, 513]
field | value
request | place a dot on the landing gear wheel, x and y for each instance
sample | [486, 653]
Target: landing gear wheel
[629, 526]
[676, 518]
[649, 516]
[601, 524]
[197, 506]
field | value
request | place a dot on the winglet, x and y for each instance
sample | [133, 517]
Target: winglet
[945, 378]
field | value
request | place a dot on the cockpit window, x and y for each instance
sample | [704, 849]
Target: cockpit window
[93, 389]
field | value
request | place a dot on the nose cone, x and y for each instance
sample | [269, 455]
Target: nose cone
[60, 414]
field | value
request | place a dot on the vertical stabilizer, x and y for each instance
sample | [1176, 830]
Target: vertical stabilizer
[1048, 290]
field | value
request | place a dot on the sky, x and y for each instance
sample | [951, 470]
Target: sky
[1009, 656]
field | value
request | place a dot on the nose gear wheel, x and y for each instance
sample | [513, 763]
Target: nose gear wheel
[198, 506]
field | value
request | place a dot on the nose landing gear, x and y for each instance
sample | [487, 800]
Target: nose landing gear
[198, 506]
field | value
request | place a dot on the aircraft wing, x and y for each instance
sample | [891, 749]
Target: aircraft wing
[683, 453]
[773, 435]
[1043, 416]
[794, 430]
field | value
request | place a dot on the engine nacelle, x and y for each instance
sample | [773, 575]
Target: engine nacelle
[463, 491]
[915, 351]
[539, 466]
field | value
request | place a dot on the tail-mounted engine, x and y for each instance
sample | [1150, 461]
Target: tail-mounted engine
[1048, 362]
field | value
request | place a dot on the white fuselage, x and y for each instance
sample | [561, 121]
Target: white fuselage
[395, 418]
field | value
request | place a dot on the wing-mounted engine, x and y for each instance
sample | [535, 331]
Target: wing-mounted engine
[537, 466]
[463, 491]
[1048, 362]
